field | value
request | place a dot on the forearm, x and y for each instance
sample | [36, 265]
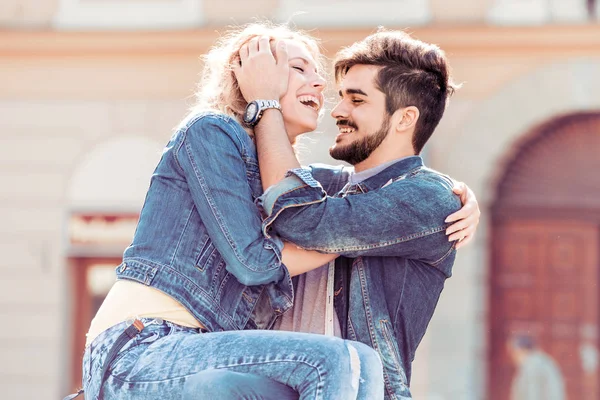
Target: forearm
[275, 153]
[299, 261]
[389, 221]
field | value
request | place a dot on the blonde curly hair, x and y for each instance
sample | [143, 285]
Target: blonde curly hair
[218, 88]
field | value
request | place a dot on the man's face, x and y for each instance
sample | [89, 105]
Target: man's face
[361, 116]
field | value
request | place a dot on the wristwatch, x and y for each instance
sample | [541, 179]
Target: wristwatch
[255, 109]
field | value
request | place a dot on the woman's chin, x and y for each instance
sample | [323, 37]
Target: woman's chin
[299, 130]
[309, 127]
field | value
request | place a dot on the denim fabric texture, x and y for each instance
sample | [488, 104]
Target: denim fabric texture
[218, 384]
[166, 361]
[390, 231]
[199, 240]
[199, 237]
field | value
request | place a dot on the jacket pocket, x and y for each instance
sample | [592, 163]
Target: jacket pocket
[206, 255]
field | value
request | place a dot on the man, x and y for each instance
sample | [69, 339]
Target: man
[393, 93]
[538, 377]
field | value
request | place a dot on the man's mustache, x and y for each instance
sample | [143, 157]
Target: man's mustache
[346, 122]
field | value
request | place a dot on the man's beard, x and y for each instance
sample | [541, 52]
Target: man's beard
[359, 150]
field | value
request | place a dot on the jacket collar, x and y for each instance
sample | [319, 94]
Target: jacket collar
[397, 170]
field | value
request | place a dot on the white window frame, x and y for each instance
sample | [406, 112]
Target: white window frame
[128, 15]
[519, 12]
[342, 13]
[569, 11]
[533, 12]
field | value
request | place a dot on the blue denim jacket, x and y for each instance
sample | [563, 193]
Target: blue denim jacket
[391, 230]
[199, 237]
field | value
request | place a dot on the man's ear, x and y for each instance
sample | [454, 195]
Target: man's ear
[406, 117]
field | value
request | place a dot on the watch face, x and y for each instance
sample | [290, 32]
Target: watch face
[251, 111]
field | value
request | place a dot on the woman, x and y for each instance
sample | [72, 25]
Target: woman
[199, 270]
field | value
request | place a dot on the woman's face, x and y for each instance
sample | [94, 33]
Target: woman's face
[304, 98]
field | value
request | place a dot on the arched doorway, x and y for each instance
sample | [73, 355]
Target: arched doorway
[546, 253]
[105, 194]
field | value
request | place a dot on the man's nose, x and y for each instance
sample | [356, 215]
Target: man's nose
[339, 111]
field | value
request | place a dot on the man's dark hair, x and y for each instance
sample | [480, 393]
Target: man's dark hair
[413, 73]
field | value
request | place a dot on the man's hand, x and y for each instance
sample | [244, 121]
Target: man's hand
[262, 75]
[467, 216]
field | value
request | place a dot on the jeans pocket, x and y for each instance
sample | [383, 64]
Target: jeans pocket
[126, 359]
[150, 339]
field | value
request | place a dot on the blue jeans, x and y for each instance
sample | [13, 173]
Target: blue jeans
[219, 384]
[165, 360]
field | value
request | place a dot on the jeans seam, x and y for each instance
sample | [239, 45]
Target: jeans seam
[224, 367]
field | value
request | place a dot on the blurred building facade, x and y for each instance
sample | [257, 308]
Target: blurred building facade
[90, 91]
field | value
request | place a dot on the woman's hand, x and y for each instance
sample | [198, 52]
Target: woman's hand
[262, 73]
[466, 219]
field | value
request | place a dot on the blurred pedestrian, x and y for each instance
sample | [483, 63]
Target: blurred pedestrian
[538, 377]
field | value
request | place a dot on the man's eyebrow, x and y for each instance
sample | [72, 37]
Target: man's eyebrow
[353, 91]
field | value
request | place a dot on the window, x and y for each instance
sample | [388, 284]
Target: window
[354, 13]
[570, 11]
[128, 14]
[95, 245]
[534, 12]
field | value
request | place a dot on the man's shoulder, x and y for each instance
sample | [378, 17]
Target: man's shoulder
[424, 178]
[428, 188]
[446, 183]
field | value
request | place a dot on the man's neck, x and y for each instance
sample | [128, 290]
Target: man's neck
[374, 160]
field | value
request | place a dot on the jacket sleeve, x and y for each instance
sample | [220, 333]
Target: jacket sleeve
[404, 218]
[211, 156]
[332, 178]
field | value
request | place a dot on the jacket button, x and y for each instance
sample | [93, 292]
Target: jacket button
[123, 267]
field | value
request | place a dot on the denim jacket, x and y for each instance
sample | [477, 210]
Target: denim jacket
[199, 236]
[396, 256]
